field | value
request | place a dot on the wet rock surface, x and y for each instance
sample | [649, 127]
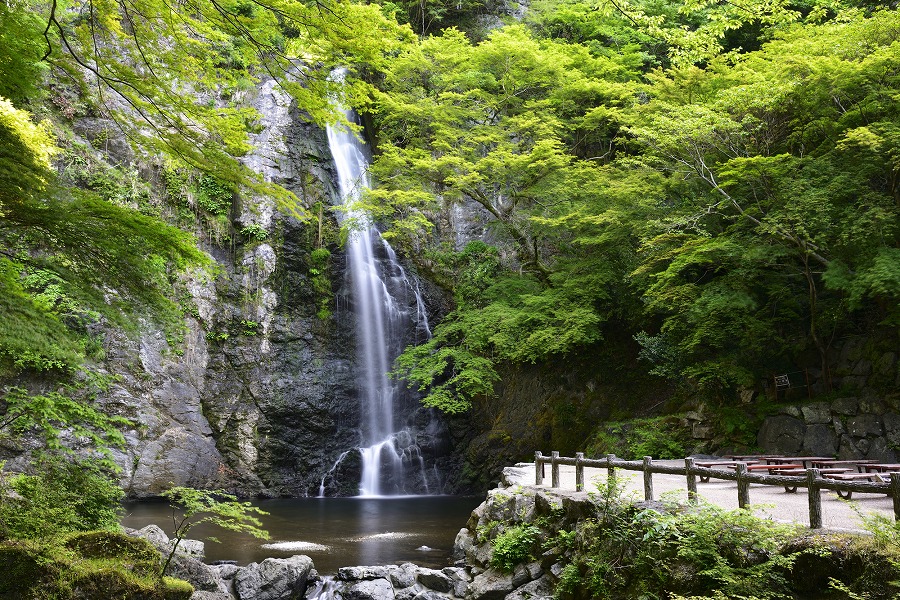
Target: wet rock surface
[473, 577]
[259, 397]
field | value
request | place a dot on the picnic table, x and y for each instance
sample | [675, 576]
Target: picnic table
[771, 468]
[880, 467]
[790, 489]
[749, 457]
[803, 460]
[877, 476]
[857, 463]
[709, 464]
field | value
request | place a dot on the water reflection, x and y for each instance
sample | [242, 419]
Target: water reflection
[336, 532]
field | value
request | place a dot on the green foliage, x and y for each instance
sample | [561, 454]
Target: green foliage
[20, 53]
[192, 507]
[736, 210]
[97, 564]
[25, 152]
[704, 551]
[49, 415]
[427, 17]
[254, 231]
[320, 277]
[662, 437]
[176, 74]
[214, 196]
[63, 496]
[35, 337]
[514, 546]
[119, 185]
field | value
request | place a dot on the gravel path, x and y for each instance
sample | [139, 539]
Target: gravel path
[771, 501]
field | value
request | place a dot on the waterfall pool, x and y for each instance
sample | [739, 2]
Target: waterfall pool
[334, 532]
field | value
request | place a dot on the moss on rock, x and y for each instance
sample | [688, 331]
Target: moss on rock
[97, 564]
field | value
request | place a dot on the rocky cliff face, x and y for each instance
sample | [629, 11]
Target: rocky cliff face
[260, 396]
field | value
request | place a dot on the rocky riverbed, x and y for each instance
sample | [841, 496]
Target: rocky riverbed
[471, 577]
[486, 565]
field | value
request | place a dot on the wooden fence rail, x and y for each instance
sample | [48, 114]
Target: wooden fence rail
[812, 480]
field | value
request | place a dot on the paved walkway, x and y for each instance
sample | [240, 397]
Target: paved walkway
[771, 501]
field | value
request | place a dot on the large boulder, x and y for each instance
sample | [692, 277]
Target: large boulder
[185, 563]
[371, 589]
[820, 440]
[274, 579]
[403, 576]
[816, 413]
[490, 585]
[782, 434]
[865, 425]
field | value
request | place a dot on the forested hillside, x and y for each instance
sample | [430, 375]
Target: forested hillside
[711, 187]
[719, 180]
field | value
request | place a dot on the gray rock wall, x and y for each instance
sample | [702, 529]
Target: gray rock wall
[259, 398]
[849, 428]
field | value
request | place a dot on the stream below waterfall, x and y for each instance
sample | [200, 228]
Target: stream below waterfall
[334, 532]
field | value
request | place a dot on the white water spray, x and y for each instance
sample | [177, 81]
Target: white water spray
[382, 315]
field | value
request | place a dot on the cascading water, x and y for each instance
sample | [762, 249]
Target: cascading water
[388, 309]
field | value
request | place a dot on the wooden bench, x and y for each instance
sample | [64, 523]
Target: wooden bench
[877, 477]
[790, 489]
[709, 464]
[770, 468]
[751, 457]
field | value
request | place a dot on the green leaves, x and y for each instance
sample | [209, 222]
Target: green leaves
[51, 414]
[737, 211]
[192, 507]
[62, 496]
[514, 546]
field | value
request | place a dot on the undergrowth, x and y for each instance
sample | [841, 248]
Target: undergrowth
[673, 550]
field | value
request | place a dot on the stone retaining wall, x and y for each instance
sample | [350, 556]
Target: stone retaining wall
[849, 428]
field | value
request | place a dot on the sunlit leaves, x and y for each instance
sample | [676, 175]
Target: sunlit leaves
[54, 414]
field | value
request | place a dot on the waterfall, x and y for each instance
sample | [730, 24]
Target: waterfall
[387, 309]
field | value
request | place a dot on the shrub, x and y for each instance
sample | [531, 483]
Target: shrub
[63, 496]
[662, 437]
[213, 507]
[254, 231]
[514, 546]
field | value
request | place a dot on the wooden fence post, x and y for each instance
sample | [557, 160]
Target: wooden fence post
[538, 468]
[743, 486]
[579, 472]
[554, 469]
[895, 494]
[691, 480]
[815, 499]
[648, 479]
[610, 469]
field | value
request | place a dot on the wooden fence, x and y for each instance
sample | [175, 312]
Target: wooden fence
[812, 481]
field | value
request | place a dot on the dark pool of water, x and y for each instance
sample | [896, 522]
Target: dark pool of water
[335, 532]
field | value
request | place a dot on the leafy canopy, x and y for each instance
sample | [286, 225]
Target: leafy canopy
[719, 180]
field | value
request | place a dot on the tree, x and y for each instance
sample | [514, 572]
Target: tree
[181, 70]
[737, 215]
[191, 507]
[780, 218]
[66, 252]
[501, 125]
